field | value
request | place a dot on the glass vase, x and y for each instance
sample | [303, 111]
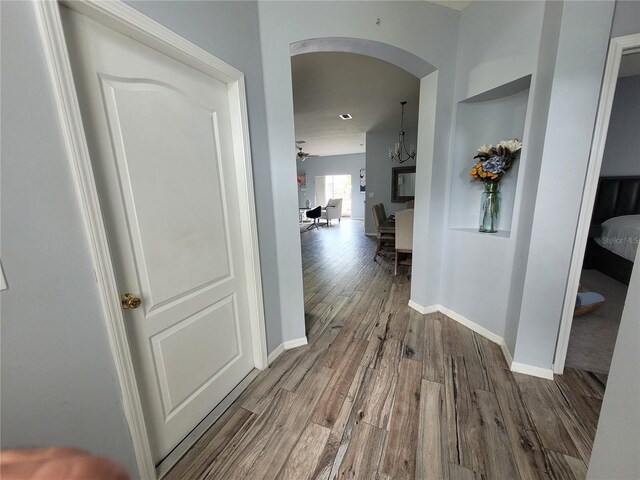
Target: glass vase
[490, 207]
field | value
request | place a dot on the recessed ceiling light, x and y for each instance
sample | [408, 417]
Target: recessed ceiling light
[346, 116]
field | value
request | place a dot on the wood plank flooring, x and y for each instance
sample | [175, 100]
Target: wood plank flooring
[382, 392]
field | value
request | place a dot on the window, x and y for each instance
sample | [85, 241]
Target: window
[334, 186]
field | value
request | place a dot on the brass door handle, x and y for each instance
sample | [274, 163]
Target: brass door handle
[130, 301]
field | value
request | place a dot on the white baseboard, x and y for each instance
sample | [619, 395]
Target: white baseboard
[296, 342]
[489, 335]
[369, 234]
[424, 310]
[531, 370]
[275, 354]
[506, 353]
[479, 329]
[288, 345]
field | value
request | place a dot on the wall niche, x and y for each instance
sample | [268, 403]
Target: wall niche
[491, 116]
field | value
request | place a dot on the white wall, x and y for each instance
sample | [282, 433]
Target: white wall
[379, 172]
[59, 384]
[541, 87]
[426, 30]
[334, 165]
[582, 48]
[622, 149]
[626, 18]
[617, 442]
[476, 268]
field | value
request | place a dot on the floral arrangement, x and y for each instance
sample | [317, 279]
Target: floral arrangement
[494, 162]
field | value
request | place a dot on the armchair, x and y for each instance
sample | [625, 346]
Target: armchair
[333, 210]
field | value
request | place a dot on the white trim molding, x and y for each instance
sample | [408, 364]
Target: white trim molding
[295, 343]
[129, 21]
[531, 370]
[618, 47]
[489, 335]
[424, 310]
[479, 329]
[505, 351]
[287, 345]
[276, 353]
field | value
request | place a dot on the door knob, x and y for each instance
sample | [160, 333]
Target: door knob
[130, 301]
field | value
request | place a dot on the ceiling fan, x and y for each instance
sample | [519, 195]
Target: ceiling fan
[302, 155]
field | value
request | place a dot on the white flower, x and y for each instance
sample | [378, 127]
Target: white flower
[485, 148]
[513, 145]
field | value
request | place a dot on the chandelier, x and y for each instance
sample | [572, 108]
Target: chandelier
[399, 151]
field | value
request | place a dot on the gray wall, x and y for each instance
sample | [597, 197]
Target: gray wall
[334, 165]
[582, 48]
[379, 172]
[541, 87]
[59, 385]
[617, 443]
[480, 56]
[622, 149]
[626, 19]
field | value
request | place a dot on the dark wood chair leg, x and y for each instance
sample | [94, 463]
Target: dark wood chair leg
[395, 268]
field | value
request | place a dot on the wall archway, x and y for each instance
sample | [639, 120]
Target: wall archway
[419, 29]
[428, 76]
[403, 59]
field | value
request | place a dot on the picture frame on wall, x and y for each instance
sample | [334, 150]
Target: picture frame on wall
[302, 181]
[363, 180]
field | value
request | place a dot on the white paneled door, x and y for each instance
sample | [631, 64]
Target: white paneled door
[160, 140]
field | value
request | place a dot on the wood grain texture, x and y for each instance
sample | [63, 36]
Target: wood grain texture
[333, 396]
[566, 467]
[305, 456]
[433, 364]
[362, 457]
[432, 455]
[498, 462]
[400, 451]
[463, 417]
[525, 442]
[382, 392]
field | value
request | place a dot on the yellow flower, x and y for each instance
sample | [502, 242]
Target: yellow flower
[474, 171]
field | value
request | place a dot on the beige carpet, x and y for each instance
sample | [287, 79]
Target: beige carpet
[593, 336]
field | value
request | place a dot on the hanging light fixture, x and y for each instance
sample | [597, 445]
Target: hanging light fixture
[399, 151]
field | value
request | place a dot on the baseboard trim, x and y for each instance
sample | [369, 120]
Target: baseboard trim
[295, 343]
[489, 335]
[369, 234]
[424, 310]
[531, 370]
[479, 329]
[275, 354]
[506, 353]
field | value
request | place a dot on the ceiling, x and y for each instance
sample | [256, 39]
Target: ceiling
[453, 4]
[630, 65]
[327, 84]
